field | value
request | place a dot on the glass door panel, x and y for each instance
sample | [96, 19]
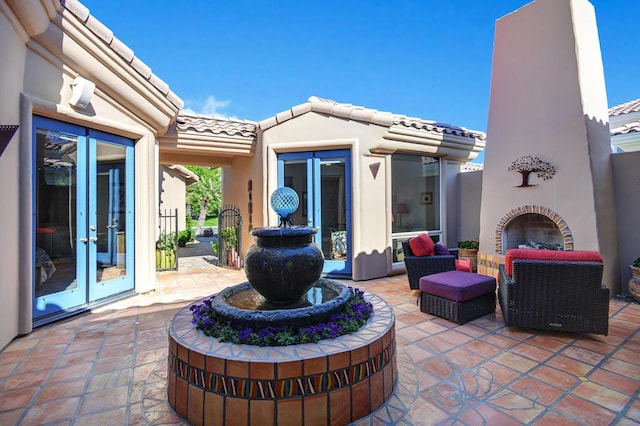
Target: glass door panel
[57, 179]
[83, 216]
[110, 216]
[322, 181]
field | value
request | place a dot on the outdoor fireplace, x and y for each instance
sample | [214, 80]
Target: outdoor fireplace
[532, 231]
[547, 177]
[534, 227]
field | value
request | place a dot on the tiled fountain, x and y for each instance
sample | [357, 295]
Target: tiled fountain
[334, 381]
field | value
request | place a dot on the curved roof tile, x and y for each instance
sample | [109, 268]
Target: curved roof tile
[215, 125]
[105, 34]
[632, 127]
[366, 115]
[626, 108]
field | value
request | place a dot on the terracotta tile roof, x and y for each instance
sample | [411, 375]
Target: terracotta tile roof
[626, 108]
[106, 35]
[367, 115]
[626, 128]
[215, 125]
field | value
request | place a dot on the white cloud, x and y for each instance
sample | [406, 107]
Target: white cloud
[211, 106]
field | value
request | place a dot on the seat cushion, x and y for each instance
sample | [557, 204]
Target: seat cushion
[457, 285]
[531, 254]
[422, 245]
[441, 250]
[463, 265]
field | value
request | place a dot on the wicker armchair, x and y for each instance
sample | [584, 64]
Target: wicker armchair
[419, 266]
[555, 295]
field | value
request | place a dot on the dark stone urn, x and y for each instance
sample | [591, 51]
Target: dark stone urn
[283, 263]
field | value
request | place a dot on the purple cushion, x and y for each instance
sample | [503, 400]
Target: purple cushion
[441, 250]
[457, 285]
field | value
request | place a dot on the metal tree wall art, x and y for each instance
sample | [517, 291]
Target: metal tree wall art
[527, 165]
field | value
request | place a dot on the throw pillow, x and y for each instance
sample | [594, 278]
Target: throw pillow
[422, 245]
[441, 250]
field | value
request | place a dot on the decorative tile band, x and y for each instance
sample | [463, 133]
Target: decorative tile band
[281, 388]
[567, 237]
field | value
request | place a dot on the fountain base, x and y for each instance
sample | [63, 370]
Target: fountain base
[245, 307]
[330, 382]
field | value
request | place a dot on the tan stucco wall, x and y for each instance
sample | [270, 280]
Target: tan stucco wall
[312, 131]
[626, 170]
[467, 215]
[173, 192]
[38, 63]
[12, 56]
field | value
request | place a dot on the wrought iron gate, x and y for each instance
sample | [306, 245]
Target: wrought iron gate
[230, 237]
[167, 242]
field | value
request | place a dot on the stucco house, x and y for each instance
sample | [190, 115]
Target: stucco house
[624, 121]
[88, 131]
[174, 180]
[89, 135]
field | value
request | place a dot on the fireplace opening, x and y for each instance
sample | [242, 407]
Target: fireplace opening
[532, 230]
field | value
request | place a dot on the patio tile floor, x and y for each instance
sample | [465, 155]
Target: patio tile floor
[110, 366]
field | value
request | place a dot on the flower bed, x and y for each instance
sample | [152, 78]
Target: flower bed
[355, 314]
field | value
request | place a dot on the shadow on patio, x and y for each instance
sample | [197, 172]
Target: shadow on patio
[110, 366]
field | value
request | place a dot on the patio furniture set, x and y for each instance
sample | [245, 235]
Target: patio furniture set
[539, 289]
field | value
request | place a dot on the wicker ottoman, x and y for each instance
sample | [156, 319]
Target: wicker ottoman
[457, 296]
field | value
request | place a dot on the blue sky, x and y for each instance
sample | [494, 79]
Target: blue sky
[424, 58]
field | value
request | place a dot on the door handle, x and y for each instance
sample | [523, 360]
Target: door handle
[93, 239]
[84, 240]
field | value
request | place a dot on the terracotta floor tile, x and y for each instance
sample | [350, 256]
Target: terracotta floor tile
[482, 348]
[60, 390]
[615, 381]
[435, 345]
[16, 399]
[532, 352]
[500, 373]
[71, 372]
[536, 390]
[547, 343]
[51, 412]
[623, 368]
[627, 355]
[515, 405]
[417, 354]
[110, 365]
[583, 355]
[36, 364]
[440, 368]
[601, 395]
[486, 415]
[12, 357]
[586, 412]
[464, 358]
[10, 417]
[569, 365]
[500, 341]
[423, 409]
[104, 400]
[18, 381]
[115, 417]
[554, 377]
[556, 419]
[515, 361]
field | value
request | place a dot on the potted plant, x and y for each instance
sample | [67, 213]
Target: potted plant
[634, 282]
[468, 249]
[229, 237]
[635, 269]
[166, 251]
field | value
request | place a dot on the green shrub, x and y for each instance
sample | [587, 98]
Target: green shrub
[636, 263]
[185, 236]
[468, 244]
